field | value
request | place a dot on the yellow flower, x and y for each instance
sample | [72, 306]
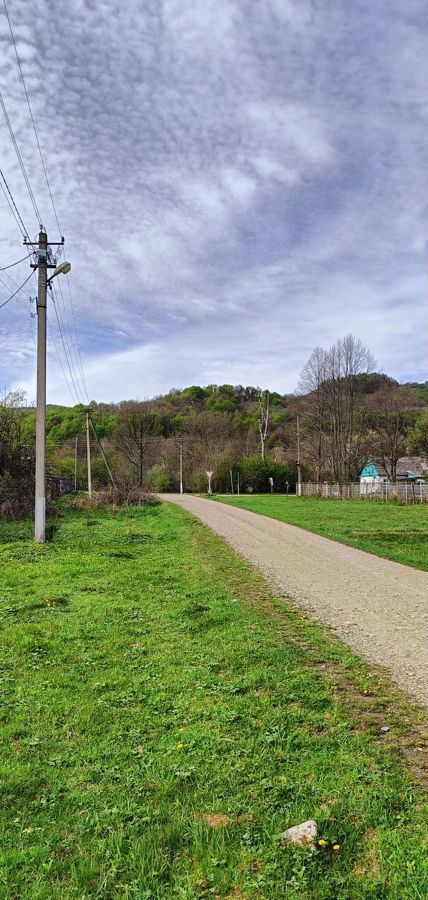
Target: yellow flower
[182, 728]
[336, 847]
[179, 746]
[322, 843]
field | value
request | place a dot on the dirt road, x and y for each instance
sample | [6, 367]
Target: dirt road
[378, 607]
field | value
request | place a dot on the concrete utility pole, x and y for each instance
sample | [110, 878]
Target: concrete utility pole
[299, 474]
[88, 453]
[181, 467]
[110, 474]
[75, 462]
[43, 263]
[40, 497]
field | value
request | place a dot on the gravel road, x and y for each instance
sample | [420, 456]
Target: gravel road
[378, 607]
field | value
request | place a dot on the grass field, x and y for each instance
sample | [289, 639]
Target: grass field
[387, 529]
[164, 719]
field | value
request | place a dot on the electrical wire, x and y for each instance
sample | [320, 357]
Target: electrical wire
[65, 323]
[73, 338]
[12, 205]
[79, 355]
[20, 160]
[11, 265]
[16, 292]
[52, 335]
[76, 391]
[64, 337]
[31, 115]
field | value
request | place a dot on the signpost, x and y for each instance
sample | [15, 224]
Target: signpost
[209, 476]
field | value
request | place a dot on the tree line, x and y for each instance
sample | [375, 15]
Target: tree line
[347, 411]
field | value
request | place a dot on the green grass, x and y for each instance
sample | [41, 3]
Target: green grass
[392, 530]
[149, 681]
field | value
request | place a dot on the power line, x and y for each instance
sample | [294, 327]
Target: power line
[11, 265]
[65, 322]
[31, 115]
[74, 345]
[12, 205]
[74, 337]
[16, 292]
[52, 335]
[65, 348]
[20, 160]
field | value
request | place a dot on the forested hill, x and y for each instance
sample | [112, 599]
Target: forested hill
[229, 428]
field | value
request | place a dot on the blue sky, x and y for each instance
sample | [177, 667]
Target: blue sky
[237, 183]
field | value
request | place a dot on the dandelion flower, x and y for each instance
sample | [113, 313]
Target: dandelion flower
[336, 847]
[322, 843]
[179, 746]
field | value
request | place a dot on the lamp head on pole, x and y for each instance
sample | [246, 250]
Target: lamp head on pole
[62, 269]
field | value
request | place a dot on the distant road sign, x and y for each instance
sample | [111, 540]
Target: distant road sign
[209, 474]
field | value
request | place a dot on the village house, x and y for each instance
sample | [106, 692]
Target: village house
[410, 469]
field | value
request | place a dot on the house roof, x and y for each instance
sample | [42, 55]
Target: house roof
[406, 464]
[413, 464]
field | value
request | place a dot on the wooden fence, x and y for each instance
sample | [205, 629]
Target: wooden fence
[404, 492]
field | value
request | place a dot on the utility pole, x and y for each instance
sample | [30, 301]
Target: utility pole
[88, 453]
[110, 474]
[299, 474]
[75, 462]
[181, 467]
[40, 497]
[43, 263]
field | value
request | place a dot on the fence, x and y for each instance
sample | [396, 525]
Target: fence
[404, 492]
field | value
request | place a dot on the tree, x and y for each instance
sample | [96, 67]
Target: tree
[337, 407]
[16, 466]
[390, 418]
[418, 435]
[136, 427]
[263, 419]
[314, 412]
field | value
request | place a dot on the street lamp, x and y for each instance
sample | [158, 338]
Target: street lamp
[63, 269]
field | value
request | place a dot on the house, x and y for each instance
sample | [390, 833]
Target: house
[409, 469]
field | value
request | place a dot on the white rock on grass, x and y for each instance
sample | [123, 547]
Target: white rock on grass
[304, 835]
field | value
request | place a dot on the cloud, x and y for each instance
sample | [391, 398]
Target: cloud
[236, 183]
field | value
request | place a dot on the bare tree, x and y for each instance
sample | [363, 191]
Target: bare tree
[314, 411]
[136, 428]
[390, 420]
[336, 407]
[263, 419]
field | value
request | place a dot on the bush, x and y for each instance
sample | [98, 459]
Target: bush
[255, 473]
[113, 498]
[161, 482]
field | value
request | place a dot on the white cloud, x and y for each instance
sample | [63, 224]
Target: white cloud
[246, 172]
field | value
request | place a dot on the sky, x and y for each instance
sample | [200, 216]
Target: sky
[237, 182]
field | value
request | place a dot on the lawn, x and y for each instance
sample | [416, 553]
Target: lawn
[164, 719]
[392, 530]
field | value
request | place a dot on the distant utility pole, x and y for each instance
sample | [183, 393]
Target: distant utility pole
[88, 452]
[43, 263]
[110, 474]
[75, 462]
[299, 474]
[181, 467]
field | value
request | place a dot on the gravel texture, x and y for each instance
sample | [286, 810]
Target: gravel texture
[378, 607]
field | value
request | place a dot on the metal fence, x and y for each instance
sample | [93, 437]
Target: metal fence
[404, 492]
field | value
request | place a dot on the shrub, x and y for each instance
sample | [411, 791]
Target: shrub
[113, 498]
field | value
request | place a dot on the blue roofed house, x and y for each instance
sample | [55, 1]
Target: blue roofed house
[409, 469]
